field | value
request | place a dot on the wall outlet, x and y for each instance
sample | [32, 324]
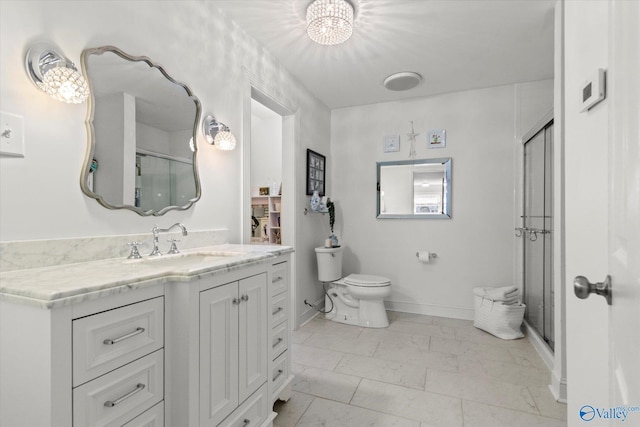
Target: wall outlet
[11, 135]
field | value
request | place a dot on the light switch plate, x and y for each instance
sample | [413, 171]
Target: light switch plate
[11, 135]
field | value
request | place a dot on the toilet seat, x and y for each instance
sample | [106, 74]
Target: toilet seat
[366, 281]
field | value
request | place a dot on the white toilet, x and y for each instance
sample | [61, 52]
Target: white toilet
[357, 299]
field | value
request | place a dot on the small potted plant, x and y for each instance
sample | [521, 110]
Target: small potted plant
[332, 220]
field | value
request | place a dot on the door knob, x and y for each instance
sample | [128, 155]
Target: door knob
[583, 288]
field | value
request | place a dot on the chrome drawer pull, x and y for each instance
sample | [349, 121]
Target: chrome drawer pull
[277, 375]
[278, 310]
[112, 403]
[246, 422]
[277, 279]
[138, 331]
[244, 297]
[278, 341]
[235, 301]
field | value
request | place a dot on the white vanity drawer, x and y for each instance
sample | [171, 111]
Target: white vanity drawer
[279, 279]
[279, 340]
[279, 309]
[252, 412]
[108, 340]
[279, 373]
[119, 396]
[153, 417]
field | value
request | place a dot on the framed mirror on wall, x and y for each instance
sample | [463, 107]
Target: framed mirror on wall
[413, 189]
[142, 126]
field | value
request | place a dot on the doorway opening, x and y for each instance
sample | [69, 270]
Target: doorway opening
[536, 231]
[269, 163]
[266, 175]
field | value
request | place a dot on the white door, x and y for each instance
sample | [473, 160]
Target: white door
[624, 209]
[218, 353]
[253, 321]
[602, 213]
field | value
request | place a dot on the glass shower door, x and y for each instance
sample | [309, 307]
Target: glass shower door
[162, 182]
[536, 230]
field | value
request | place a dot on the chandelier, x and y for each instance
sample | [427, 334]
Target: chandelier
[330, 22]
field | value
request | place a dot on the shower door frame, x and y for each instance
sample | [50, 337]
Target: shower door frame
[545, 234]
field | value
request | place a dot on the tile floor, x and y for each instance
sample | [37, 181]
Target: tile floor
[421, 371]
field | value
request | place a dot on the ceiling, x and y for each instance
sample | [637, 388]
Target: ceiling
[454, 44]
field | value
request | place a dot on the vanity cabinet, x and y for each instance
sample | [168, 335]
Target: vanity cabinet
[118, 363]
[113, 338]
[95, 363]
[279, 332]
[233, 347]
[154, 417]
[223, 374]
[208, 348]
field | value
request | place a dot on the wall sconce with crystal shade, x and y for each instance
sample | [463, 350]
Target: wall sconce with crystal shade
[329, 22]
[55, 74]
[218, 134]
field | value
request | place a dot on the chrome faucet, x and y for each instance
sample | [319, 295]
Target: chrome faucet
[156, 234]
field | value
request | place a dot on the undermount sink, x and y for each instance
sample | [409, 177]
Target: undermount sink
[184, 258]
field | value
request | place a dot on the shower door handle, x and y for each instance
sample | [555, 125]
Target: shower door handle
[583, 288]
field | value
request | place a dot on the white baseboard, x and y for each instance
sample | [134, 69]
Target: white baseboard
[431, 310]
[309, 313]
[558, 388]
[541, 346]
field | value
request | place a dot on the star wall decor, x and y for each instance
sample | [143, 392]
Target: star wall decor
[412, 141]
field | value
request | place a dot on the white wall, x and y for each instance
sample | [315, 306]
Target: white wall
[477, 246]
[266, 151]
[195, 43]
[115, 125]
[153, 139]
[202, 48]
[40, 196]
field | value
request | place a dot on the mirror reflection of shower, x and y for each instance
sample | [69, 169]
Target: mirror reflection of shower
[537, 232]
[162, 181]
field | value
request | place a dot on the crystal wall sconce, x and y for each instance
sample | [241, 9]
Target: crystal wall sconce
[55, 74]
[218, 134]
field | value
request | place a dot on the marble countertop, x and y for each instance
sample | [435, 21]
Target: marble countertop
[53, 286]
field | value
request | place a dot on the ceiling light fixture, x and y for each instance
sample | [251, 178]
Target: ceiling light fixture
[218, 134]
[402, 81]
[55, 74]
[330, 22]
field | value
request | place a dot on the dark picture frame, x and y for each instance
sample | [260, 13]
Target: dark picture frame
[316, 172]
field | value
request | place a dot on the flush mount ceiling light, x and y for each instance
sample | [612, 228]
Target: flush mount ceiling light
[218, 134]
[402, 81]
[330, 22]
[55, 74]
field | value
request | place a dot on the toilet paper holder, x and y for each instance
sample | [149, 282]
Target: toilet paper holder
[431, 255]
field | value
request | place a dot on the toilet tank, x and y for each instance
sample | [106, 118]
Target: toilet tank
[329, 264]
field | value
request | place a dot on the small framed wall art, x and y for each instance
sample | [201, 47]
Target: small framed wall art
[437, 138]
[316, 168]
[390, 143]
